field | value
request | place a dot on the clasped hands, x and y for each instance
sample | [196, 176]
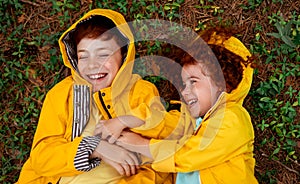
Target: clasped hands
[113, 150]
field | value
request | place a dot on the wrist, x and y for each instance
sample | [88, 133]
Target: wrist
[94, 155]
[130, 121]
[97, 153]
[142, 147]
[122, 123]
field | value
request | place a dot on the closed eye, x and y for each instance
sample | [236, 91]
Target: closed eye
[82, 57]
[103, 56]
[193, 81]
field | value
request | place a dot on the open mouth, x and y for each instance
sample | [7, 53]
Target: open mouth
[191, 102]
[97, 76]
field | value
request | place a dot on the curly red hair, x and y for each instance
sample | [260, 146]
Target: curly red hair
[219, 63]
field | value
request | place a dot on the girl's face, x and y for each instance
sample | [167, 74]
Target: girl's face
[98, 61]
[199, 92]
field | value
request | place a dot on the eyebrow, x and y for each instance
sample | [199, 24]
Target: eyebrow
[191, 77]
[99, 49]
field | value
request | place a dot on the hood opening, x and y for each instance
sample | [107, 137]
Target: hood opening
[93, 27]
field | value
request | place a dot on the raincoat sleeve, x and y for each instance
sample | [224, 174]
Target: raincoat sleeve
[233, 137]
[146, 104]
[52, 153]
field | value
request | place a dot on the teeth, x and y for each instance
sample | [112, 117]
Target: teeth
[96, 76]
[192, 101]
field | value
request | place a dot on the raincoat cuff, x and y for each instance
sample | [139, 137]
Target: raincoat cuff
[82, 161]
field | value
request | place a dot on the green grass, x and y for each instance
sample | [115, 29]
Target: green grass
[276, 98]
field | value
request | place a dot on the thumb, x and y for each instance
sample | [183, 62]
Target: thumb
[112, 139]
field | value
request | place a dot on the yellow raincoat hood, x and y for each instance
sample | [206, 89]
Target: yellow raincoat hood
[69, 55]
[237, 47]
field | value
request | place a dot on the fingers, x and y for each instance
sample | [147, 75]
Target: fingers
[135, 159]
[104, 132]
[101, 130]
[124, 161]
[111, 139]
[104, 135]
[122, 139]
[121, 168]
[133, 163]
[130, 163]
[133, 167]
[127, 169]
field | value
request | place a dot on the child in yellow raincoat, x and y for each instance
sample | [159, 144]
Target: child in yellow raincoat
[215, 84]
[101, 86]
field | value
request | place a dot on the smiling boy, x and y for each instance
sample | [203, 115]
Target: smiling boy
[99, 50]
[98, 61]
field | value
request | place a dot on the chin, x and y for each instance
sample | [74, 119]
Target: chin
[194, 114]
[96, 89]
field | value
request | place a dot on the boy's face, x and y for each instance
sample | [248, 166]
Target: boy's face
[98, 61]
[199, 92]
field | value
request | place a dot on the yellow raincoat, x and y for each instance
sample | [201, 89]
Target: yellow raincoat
[59, 149]
[221, 149]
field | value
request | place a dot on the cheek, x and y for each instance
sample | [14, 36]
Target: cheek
[114, 64]
[200, 92]
[204, 95]
[80, 67]
[113, 67]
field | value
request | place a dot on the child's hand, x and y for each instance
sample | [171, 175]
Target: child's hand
[124, 161]
[109, 129]
[135, 142]
[131, 140]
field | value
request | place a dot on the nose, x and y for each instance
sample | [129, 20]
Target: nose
[185, 90]
[94, 63]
